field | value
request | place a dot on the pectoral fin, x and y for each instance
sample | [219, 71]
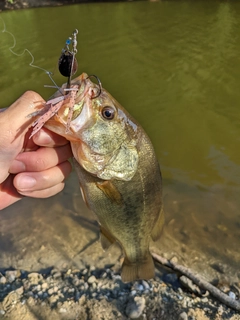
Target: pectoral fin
[158, 227]
[110, 191]
[106, 238]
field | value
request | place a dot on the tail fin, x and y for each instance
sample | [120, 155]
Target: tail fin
[139, 270]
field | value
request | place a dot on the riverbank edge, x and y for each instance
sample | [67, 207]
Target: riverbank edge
[27, 4]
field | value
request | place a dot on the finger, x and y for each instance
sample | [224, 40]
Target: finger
[40, 160]
[14, 124]
[46, 193]
[8, 193]
[29, 182]
[17, 115]
[47, 138]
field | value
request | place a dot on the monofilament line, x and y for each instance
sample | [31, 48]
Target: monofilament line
[31, 64]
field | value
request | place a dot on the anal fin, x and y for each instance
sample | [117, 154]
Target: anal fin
[106, 238]
[158, 227]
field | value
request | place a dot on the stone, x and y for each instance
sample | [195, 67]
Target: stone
[135, 308]
[11, 275]
[34, 278]
[3, 280]
[91, 279]
[232, 295]
[183, 316]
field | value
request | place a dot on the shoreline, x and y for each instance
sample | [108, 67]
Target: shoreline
[28, 4]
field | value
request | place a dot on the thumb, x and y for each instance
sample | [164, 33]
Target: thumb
[14, 124]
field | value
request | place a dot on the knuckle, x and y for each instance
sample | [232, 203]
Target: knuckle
[31, 95]
[40, 164]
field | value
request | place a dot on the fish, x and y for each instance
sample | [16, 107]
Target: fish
[119, 174]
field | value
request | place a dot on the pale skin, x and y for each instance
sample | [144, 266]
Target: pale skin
[35, 167]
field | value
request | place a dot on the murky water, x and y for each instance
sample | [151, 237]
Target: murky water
[176, 67]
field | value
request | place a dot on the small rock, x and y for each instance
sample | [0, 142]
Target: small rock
[62, 310]
[2, 312]
[174, 260]
[183, 316]
[57, 275]
[55, 289]
[34, 277]
[85, 271]
[76, 282]
[91, 279]
[3, 280]
[50, 291]
[11, 275]
[145, 284]
[53, 299]
[135, 308]
[232, 295]
[45, 285]
[133, 292]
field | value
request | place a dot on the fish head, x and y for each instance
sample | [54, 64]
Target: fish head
[104, 137]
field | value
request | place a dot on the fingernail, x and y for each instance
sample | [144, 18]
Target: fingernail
[26, 182]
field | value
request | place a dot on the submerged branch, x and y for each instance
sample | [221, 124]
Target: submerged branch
[198, 280]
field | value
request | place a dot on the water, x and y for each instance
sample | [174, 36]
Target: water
[175, 67]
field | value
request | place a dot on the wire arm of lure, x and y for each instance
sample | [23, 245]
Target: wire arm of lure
[99, 85]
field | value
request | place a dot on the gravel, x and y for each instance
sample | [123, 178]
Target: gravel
[100, 294]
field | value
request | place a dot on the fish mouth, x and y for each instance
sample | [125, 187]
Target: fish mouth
[83, 109]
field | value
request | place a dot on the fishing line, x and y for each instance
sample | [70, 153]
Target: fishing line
[31, 64]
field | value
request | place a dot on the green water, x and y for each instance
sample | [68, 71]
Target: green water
[175, 66]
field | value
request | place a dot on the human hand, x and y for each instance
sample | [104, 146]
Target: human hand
[33, 167]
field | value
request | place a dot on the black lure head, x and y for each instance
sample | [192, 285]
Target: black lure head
[67, 63]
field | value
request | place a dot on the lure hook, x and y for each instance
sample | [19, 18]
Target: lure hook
[99, 84]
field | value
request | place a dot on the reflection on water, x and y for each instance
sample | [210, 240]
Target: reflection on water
[175, 66]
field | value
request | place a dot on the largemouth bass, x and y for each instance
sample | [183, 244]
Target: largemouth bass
[118, 171]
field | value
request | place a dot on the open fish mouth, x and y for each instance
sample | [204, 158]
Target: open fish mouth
[68, 106]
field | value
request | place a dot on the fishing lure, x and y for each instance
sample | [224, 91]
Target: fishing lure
[67, 65]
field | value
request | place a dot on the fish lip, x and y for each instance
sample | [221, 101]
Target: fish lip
[87, 110]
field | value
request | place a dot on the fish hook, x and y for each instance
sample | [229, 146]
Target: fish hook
[99, 84]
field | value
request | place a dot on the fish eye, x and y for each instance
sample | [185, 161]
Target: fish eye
[108, 113]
